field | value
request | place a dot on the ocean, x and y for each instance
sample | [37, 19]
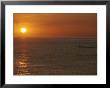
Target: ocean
[55, 56]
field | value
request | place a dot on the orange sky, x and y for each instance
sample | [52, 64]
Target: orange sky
[56, 25]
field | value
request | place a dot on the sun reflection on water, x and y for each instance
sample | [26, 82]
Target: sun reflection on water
[22, 65]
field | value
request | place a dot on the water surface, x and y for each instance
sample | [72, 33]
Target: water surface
[55, 56]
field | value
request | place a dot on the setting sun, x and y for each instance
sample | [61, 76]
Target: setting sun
[23, 30]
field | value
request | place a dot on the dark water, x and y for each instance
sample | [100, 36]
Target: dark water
[38, 56]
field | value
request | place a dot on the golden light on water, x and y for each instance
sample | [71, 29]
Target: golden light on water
[22, 64]
[23, 30]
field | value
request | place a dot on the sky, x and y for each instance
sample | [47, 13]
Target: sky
[72, 25]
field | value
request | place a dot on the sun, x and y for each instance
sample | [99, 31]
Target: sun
[23, 30]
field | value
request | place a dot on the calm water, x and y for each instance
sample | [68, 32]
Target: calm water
[38, 56]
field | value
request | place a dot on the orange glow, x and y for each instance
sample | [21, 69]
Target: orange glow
[55, 25]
